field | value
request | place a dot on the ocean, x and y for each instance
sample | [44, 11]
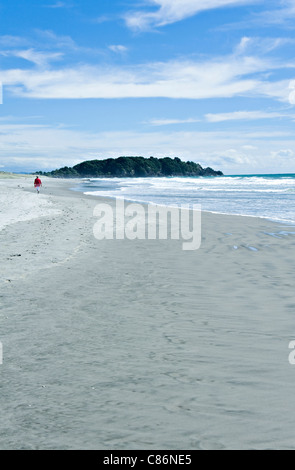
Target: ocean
[267, 196]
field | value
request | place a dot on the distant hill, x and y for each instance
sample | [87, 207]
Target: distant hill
[132, 167]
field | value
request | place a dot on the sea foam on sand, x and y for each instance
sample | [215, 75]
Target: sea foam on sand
[16, 205]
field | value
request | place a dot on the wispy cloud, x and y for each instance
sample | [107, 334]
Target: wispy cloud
[9, 41]
[259, 45]
[242, 73]
[103, 19]
[282, 14]
[51, 39]
[40, 59]
[221, 77]
[247, 115]
[38, 40]
[42, 41]
[118, 48]
[282, 154]
[167, 122]
[34, 147]
[58, 5]
[223, 117]
[278, 14]
[171, 11]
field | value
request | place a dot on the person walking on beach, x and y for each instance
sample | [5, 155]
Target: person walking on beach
[37, 184]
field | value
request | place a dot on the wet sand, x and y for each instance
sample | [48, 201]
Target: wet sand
[121, 344]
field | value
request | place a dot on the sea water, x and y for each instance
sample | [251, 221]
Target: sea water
[267, 196]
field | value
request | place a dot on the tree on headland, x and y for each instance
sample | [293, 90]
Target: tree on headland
[133, 167]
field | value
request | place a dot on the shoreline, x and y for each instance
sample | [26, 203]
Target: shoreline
[69, 182]
[268, 214]
[146, 203]
[137, 344]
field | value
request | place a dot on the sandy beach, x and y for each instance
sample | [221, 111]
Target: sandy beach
[137, 344]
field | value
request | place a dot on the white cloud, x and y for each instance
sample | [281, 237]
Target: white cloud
[44, 46]
[238, 74]
[283, 154]
[249, 147]
[284, 12]
[223, 117]
[13, 41]
[48, 39]
[222, 77]
[31, 55]
[259, 45]
[58, 5]
[54, 40]
[102, 19]
[170, 11]
[246, 115]
[236, 157]
[118, 48]
[243, 45]
[278, 13]
[167, 122]
[32, 147]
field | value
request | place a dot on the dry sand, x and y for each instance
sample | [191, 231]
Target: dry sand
[140, 345]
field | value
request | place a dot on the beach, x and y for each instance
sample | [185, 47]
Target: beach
[138, 344]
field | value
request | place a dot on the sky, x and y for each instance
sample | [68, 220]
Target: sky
[210, 81]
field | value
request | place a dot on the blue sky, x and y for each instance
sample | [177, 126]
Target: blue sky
[211, 81]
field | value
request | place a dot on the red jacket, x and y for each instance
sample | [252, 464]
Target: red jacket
[37, 182]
